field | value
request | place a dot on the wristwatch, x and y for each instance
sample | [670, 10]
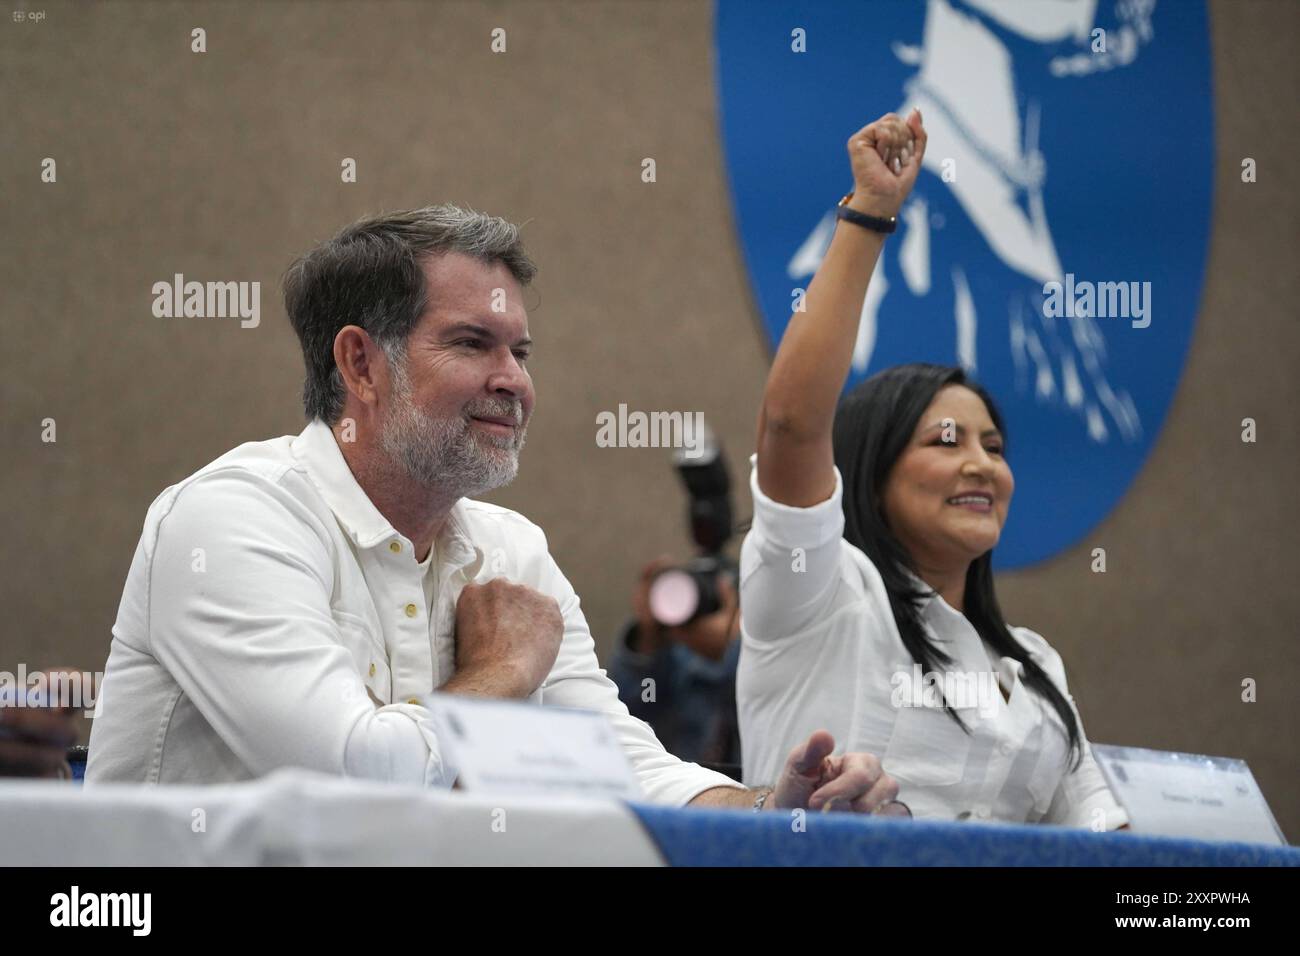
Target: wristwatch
[874, 223]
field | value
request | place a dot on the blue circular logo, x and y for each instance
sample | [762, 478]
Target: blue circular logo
[1055, 243]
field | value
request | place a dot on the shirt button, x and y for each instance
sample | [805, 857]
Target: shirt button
[1006, 748]
[372, 668]
[982, 812]
[395, 546]
[410, 610]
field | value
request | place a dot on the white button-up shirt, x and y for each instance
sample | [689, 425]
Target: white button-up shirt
[821, 649]
[274, 617]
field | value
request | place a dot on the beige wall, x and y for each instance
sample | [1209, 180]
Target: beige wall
[226, 165]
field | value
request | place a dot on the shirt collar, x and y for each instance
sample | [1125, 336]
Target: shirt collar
[946, 622]
[1011, 668]
[318, 452]
[930, 601]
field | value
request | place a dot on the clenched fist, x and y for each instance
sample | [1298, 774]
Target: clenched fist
[886, 158]
[507, 638]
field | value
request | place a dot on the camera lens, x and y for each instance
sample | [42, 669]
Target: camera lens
[680, 595]
[674, 597]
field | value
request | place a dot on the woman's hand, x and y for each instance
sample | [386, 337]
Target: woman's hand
[815, 780]
[886, 158]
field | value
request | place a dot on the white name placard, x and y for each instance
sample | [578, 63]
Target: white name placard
[1188, 795]
[504, 746]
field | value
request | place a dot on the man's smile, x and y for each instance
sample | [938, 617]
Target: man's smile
[495, 424]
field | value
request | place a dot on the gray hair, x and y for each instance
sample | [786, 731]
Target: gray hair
[369, 275]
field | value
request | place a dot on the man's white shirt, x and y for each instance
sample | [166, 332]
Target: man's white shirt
[273, 617]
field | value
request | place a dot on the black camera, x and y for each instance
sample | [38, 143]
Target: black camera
[681, 595]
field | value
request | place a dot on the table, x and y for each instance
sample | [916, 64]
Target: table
[298, 817]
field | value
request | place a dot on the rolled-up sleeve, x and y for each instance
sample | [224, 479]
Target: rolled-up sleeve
[578, 681]
[789, 562]
[1082, 798]
[239, 608]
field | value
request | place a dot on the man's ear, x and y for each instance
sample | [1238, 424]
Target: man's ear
[356, 357]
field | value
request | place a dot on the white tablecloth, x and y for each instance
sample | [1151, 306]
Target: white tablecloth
[295, 817]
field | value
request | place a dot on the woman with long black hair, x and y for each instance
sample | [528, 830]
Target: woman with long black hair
[866, 581]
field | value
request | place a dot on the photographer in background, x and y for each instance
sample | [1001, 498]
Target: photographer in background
[675, 662]
[691, 703]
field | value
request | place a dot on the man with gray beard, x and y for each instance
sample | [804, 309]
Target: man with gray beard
[443, 453]
[291, 603]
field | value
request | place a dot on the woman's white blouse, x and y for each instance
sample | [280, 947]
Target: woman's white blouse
[821, 650]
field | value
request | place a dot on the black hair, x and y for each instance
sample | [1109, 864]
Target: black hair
[873, 426]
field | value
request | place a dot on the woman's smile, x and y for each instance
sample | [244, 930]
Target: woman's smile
[977, 501]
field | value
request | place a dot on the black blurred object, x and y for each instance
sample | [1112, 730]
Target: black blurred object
[709, 486]
[684, 594]
[78, 755]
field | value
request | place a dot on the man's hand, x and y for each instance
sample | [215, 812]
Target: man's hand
[507, 638]
[886, 158]
[814, 779]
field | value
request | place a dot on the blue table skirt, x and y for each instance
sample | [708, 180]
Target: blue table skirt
[694, 837]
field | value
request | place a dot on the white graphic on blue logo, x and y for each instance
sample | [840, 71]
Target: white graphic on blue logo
[1054, 245]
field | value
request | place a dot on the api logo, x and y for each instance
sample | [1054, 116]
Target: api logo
[1055, 243]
